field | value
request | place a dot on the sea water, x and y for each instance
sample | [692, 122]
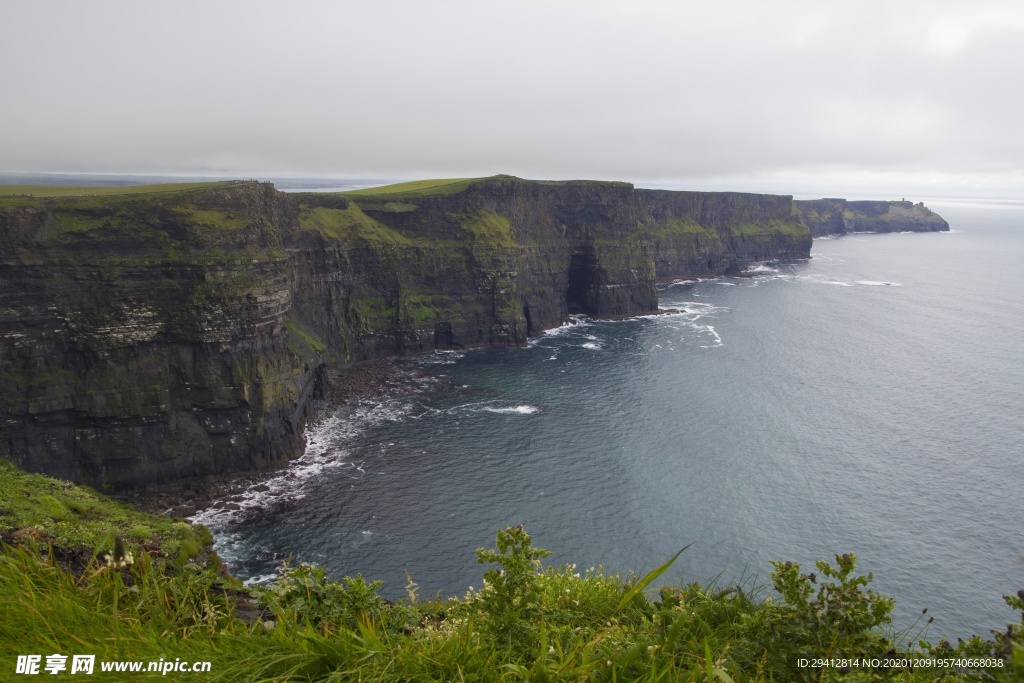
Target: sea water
[868, 400]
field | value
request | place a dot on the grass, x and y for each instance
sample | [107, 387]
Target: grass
[423, 186]
[37, 511]
[349, 224]
[72, 191]
[310, 339]
[524, 623]
[772, 226]
[487, 228]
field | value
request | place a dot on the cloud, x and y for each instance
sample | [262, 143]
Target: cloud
[639, 90]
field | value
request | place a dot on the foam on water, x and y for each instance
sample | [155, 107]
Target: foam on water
[514, 410]
[834, 420]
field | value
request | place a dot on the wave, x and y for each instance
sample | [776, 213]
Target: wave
[516, 410]
[876, 283]
[330, 442]
[578, 321]
[717, 337]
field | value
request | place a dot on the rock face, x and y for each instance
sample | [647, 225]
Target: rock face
[170, 333]
[839, 217]
[147, 337]
[698, 234]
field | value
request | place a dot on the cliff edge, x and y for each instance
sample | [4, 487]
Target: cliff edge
[156, 333]
[825, 217]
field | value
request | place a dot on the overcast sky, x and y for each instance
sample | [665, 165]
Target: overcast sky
[895, 97]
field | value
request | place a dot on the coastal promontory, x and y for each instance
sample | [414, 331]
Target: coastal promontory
[154, 334]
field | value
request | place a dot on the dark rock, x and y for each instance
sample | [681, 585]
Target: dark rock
[170, 337]
[183, 511]
[839, 217]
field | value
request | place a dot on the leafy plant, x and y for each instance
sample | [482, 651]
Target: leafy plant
[510, 599]
[303, 594]
[842, 618]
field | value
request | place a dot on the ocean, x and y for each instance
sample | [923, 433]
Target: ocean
[868, 400]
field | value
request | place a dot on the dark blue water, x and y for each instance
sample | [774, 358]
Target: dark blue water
[868, 400]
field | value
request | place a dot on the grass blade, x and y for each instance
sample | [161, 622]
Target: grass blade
[640, 585]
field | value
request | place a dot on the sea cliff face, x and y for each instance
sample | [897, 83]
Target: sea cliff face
[839, 217]
[175, 332]
[147, 337]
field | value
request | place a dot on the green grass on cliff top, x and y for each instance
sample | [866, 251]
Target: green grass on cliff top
[71, 191]
[437, 185]
[37, 510]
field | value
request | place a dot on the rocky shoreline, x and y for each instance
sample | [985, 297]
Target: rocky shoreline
[185, 499]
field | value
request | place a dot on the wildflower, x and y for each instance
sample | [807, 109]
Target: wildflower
[551, 650]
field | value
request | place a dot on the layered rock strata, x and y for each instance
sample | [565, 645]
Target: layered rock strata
[825, 217]
[171, 333]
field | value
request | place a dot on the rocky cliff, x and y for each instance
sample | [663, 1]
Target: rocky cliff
[839, 217]
[163, 333]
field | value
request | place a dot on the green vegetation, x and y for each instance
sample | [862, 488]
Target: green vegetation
[435, 186]
[423, 310]
[310, 339]
[524, 623]
[678, 227]
[37, 511]
[71, 191]
[349, 224]
[488, 228]
[771, 226]
[222, 219]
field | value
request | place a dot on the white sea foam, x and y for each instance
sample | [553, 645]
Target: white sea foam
[579, 321]
[443, 357]
[717, 338]
[593, 346]
[328, 447]
[516, 410]
[680, 283]
[259, 580]
[876, 283]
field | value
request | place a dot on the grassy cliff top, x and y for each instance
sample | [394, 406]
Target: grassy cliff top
[72, 191]
[39, 510]
[435, 186]
[526, 622]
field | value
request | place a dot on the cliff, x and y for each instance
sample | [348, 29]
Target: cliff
[153, 334]
[839, 217]
[146, 337]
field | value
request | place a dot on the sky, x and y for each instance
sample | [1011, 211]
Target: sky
[839, 98]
